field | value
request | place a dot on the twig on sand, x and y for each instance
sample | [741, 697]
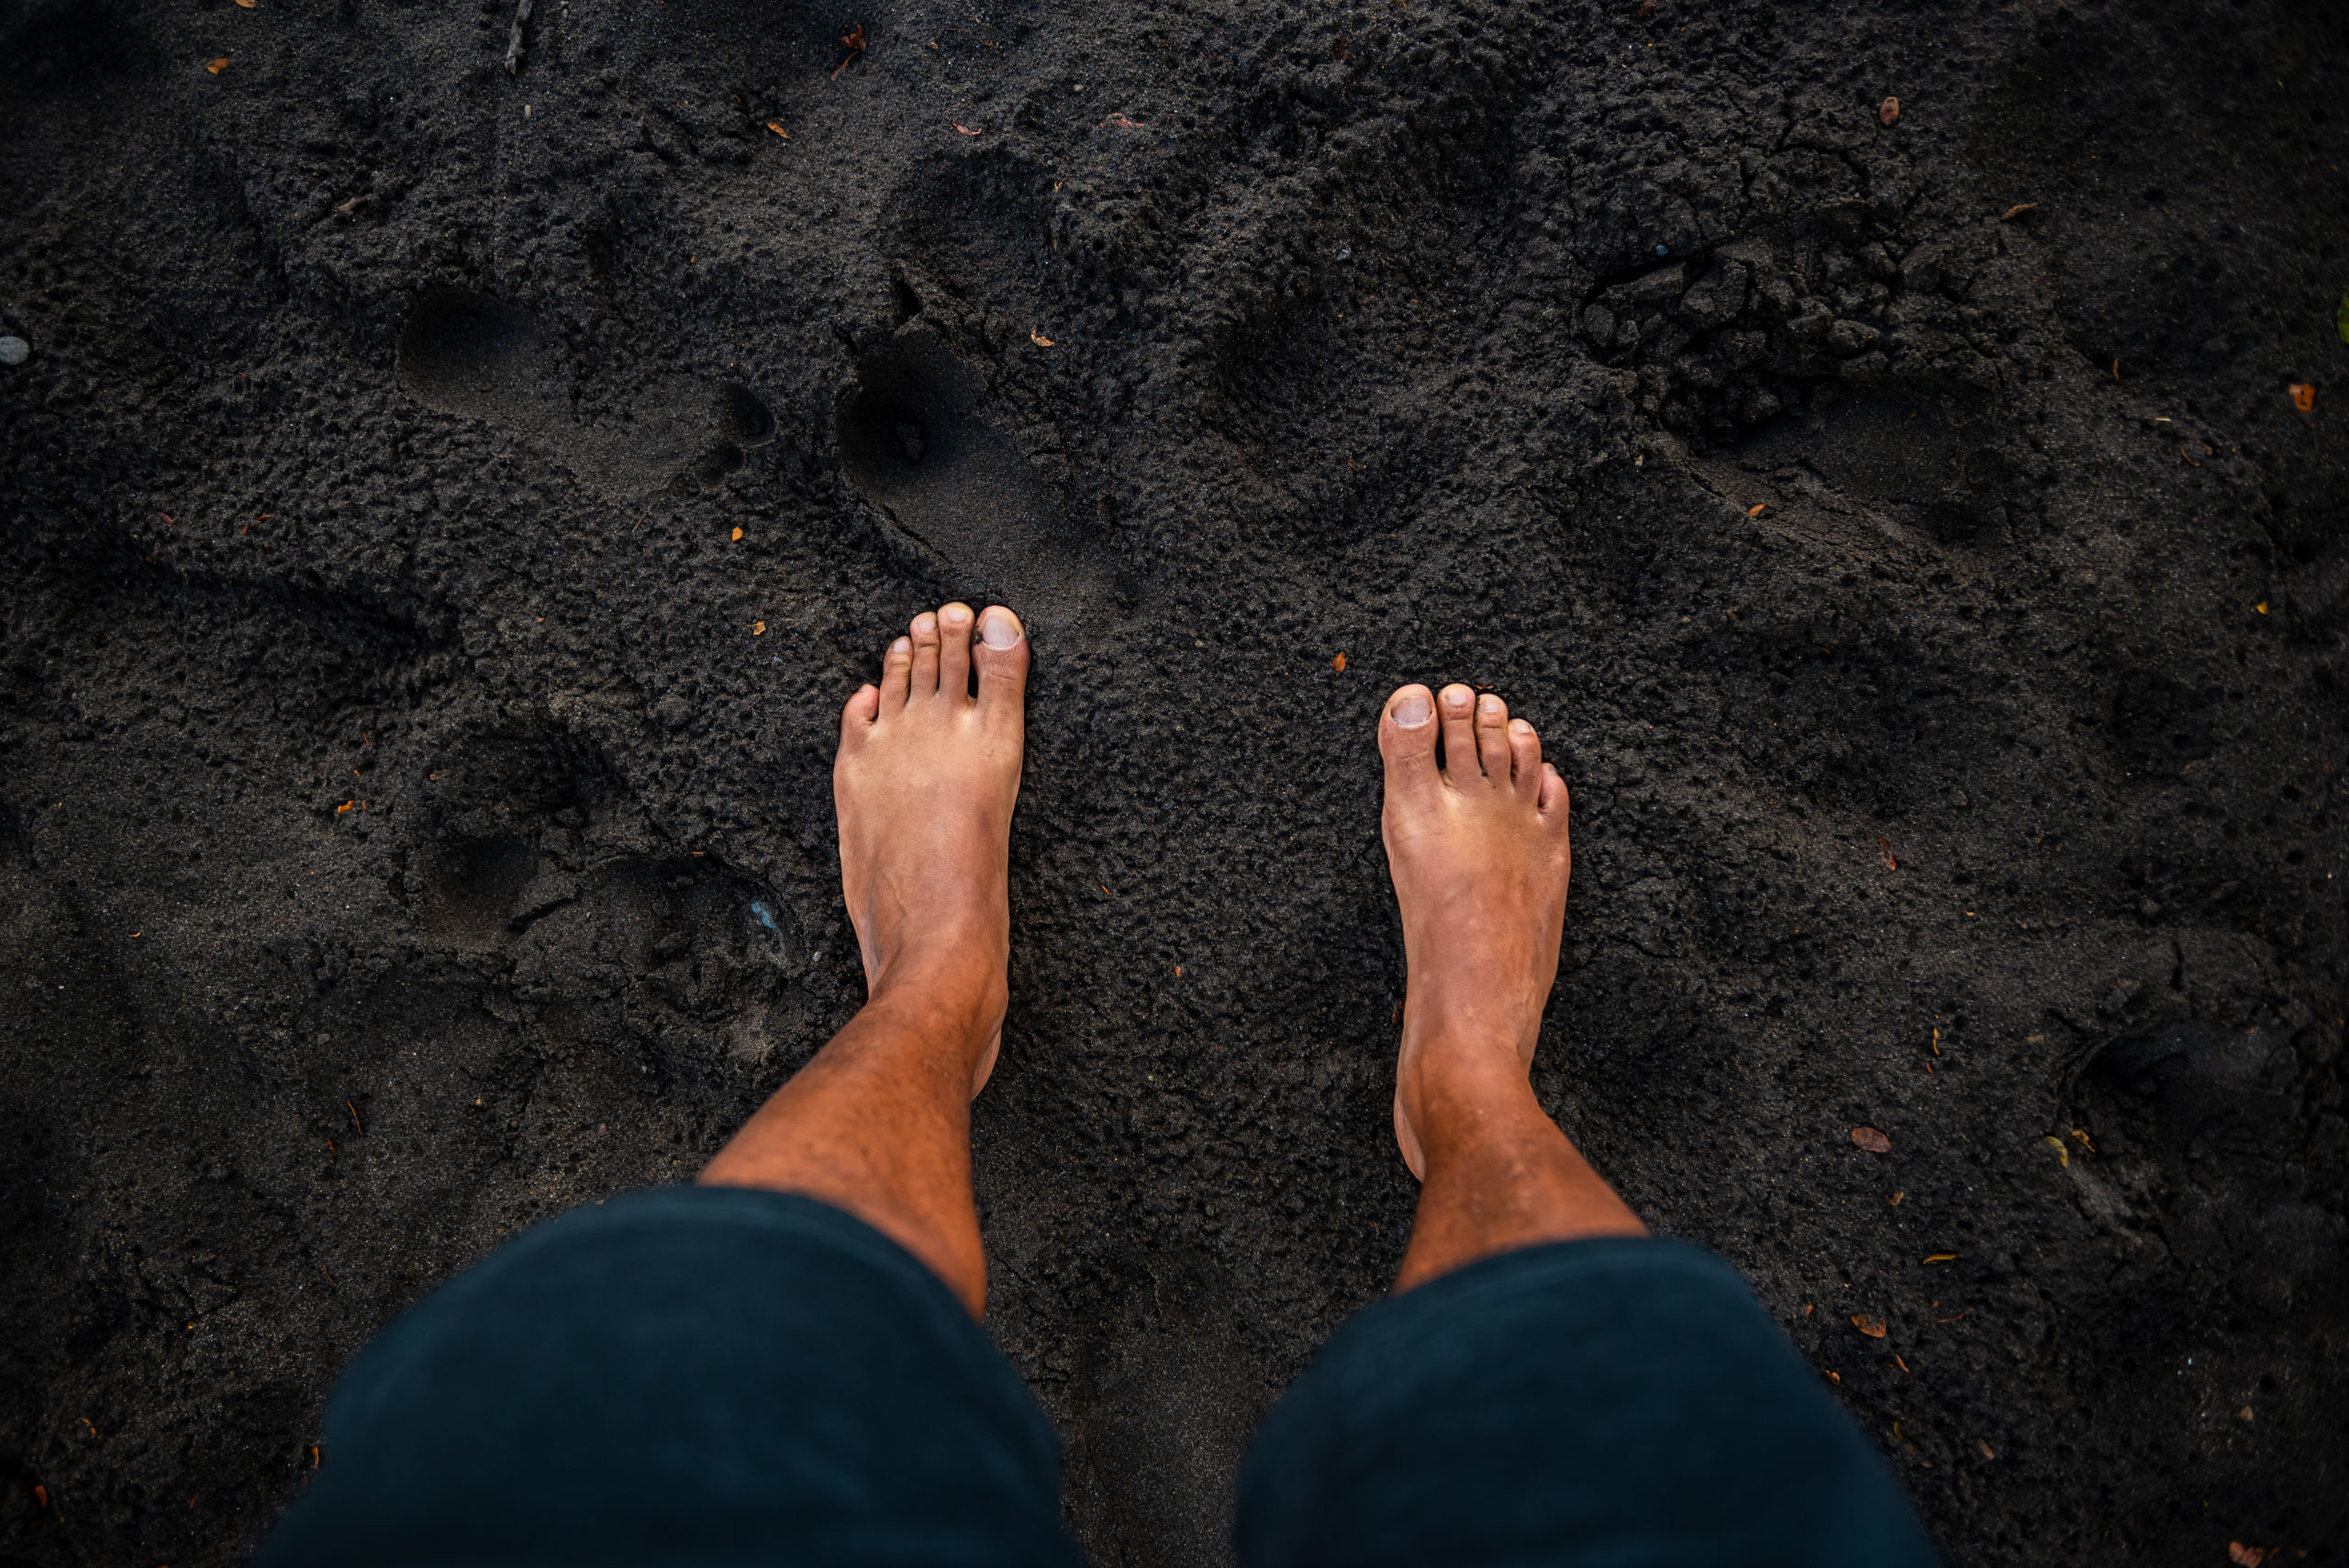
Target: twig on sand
[513, 40]
[851, 41]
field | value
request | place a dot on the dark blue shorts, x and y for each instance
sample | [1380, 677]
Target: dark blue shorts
[717, 1376]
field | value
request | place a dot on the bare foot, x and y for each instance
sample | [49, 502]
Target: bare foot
[924, 785]
[878, 1122]
[1479, 855]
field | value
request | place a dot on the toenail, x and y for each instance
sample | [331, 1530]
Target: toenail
[1412, 712]
[998, 629]
[1489, 704]
[953, 616]
[925, 622]
[903, 645]
[1455, 699]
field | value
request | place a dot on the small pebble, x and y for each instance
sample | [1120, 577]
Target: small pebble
[15, 350]
[1663, 249]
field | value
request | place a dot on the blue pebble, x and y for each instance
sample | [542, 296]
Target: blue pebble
[1663, 249]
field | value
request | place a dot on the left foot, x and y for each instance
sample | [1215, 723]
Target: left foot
[926, 779]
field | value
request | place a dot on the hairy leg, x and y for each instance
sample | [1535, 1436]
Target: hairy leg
[879, 1123]
[1478, 848]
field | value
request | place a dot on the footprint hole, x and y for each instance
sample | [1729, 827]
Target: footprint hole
[468, 353]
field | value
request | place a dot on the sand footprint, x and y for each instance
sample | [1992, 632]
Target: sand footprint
[915, 444]
[468, 353]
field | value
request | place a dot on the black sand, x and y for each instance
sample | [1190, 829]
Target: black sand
[407, 832]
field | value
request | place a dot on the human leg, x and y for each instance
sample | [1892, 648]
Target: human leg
[1479, 852]
[781, 1363]
[878, 1123]
[1547, 1383]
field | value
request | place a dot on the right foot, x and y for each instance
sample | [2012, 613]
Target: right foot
[1478, 851]
[925, 783]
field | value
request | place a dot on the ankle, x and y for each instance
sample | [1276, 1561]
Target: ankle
[950, 993]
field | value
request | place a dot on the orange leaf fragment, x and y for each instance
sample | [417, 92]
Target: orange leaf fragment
[1987, 1451]
[1755, 510]
[1339, 663]
[966, 131]
[1039, 338]
[738, 533]
[1836, 1378]
[758, 628]
[2303, 396]
[1884, 848]
[776, 127]
[1872, 1326]
[1941, 1258]
[40, 1496]
[2017, 210]
[1887, 111]
[217, 66]
[2250, 1556]
[1121, 122]
[1872, 1141]
[247, 4]
[345, 805]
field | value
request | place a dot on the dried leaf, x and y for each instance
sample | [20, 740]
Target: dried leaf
[1884, 849]
[851, 41]
[1121, 122]
[345, 805]
[738, 533]
[1872, 1326]
[966, 131]
[1987, 1451]
[247, 4]
[40, 1496]
[758, 628]
[217, 66]
[2303, 397]
[1887, 111]
[1872, 1141]
[776, 127]
[2250, 1556]
[1941, 1258]
[2063, 1155]
[1039, 338]
[1755, 510]
[1339, 663]
[2017, 210]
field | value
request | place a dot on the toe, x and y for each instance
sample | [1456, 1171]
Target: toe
[862, 709]
[896, 666]
[1002, 656]
[1407, 734]
[1554, 801]
[925, 675]
[1525, 760]
[1457, 706]
[1492, 738]
[954, 651]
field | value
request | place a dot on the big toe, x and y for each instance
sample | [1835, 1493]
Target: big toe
[1002, 660]
[1407, 732]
